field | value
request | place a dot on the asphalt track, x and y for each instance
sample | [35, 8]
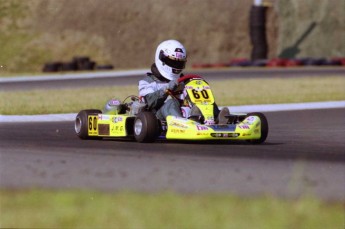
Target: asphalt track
[303, 155]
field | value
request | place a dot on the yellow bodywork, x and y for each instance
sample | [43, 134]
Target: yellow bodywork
[104, 125]
[181, 128]
[200, 95]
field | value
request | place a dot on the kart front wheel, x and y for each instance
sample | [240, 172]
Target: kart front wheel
[81, 124]
[264, 127]
[146, 127]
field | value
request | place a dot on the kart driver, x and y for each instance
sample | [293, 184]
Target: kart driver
[170, 61]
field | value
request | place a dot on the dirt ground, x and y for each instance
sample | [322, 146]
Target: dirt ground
[131, 30]
[312, 28]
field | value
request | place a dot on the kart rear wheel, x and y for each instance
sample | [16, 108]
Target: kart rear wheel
[81, 123]
[264, 127]
[146, 127]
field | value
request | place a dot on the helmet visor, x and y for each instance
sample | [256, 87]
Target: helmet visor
[172, 62]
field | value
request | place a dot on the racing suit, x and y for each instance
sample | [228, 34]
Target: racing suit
[153, 90]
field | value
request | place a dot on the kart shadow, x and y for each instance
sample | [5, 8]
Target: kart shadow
[266, 150]
[217, 142]
[241, 149]
[191, 142]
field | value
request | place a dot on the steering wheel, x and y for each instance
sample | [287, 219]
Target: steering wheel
[182, 80]
[188, 77]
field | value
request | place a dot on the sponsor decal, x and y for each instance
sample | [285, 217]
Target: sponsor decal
[202, 134]
[177, 131]
[103, 129]
[177, 124]
[250, 120]
[201, 128]
[117, 119]
[117, 129]
[202, 101]
[258, 124]
[114, 102]
[179, 55]
[103, 117]
[244, 127]
[225, 135]
[209, 122]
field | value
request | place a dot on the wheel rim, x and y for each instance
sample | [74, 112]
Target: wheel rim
[138, 126]
[77, 125]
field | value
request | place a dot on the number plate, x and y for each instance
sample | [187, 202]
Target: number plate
[199, 92]
[93, 125]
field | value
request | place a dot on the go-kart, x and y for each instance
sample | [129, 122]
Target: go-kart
[134, 120]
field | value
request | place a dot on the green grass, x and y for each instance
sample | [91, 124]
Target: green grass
[86, 209]
[279, 90]
[228, 92]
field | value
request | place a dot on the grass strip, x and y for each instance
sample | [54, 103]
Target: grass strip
[227, 92]
[86, 209]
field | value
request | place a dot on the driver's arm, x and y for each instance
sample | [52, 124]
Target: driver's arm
[153, 97]
[156, 95]
[156, 99]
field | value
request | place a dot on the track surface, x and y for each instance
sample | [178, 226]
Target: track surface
[304, 154]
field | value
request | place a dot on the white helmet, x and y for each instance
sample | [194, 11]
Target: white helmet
[170, 59]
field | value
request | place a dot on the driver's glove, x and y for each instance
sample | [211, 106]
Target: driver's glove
[173, 85]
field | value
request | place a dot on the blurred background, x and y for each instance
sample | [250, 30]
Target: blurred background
[125, 33]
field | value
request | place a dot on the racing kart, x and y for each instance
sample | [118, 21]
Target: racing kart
[134, 120]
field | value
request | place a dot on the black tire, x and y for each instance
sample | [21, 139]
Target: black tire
[104, 67]
[81, 123]
[52, 67]
[264, 127]
[69, 66]
[146, 127]
[89, 65]
[82, 62]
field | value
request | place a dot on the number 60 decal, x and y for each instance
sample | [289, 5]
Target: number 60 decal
[203, 93]
[93, 123]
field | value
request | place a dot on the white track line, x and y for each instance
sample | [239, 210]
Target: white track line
[86, 75]
[235, 109]
[288, 107]
[128, 73]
